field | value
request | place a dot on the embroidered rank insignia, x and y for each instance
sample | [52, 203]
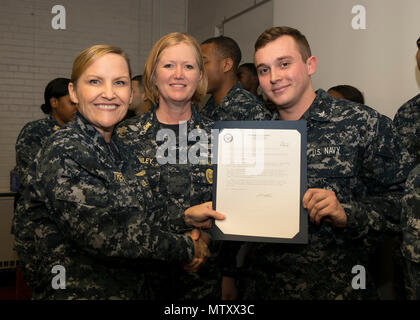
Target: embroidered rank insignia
[209, 176]
[118, 176]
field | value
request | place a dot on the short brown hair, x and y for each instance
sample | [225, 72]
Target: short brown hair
[89, 55]
[274, 33]
[169, 40]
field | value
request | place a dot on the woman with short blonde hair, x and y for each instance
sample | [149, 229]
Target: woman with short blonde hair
[175, 80]
[91, 211]
[172, 39]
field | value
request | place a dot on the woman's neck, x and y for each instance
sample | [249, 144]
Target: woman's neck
[57, 118]
[106, 133]
[169, 113]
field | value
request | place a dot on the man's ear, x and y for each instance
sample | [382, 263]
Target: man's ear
[311, 64]
[227, 64]
[72, 93]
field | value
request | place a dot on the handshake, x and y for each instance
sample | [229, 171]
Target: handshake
[200, 216]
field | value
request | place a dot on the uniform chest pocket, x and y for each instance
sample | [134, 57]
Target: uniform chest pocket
[332, 161]
[201, 184]
[154, 176]
[97, 189]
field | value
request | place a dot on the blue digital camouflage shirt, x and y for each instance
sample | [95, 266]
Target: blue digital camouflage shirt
[410, 222]
[407, 122]
[179, 182]
[29, 142]
[238, 104]
[95, 215]
[355, 152]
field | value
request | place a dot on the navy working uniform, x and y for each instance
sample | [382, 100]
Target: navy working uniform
[30, 141]
[238, 104]
[180, 183]
[93, 214]
[407, 122]
[411, 233]
[355, 152]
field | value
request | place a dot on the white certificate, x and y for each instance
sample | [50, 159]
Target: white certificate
[259, 184]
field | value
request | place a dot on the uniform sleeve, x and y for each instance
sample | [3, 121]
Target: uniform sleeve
[89, 215]
[385, 166]
[410, 220]
[259, 112]
[27, 146]
[406, 122]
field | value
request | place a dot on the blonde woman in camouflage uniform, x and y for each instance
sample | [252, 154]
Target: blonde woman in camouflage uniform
[175, 80]
[93, 213]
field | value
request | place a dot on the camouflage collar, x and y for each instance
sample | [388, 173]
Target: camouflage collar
[231, 93]
[320, 109]
[151, 123]
[79, 122]
[54, 123]
[211, 109]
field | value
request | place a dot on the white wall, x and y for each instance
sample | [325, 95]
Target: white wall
[379, 60]
[205, 15]
[32, 53]
[246, 28]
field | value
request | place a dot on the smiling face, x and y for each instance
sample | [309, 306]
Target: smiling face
[177, 75]
[284, 76]
[103, 92]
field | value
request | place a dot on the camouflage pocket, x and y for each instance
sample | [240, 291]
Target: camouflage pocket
[414, 224]
[336, 161]
[411, 241]
[201, 184]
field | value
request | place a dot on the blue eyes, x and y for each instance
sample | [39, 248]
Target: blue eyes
[97, 82]
[169, 66]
